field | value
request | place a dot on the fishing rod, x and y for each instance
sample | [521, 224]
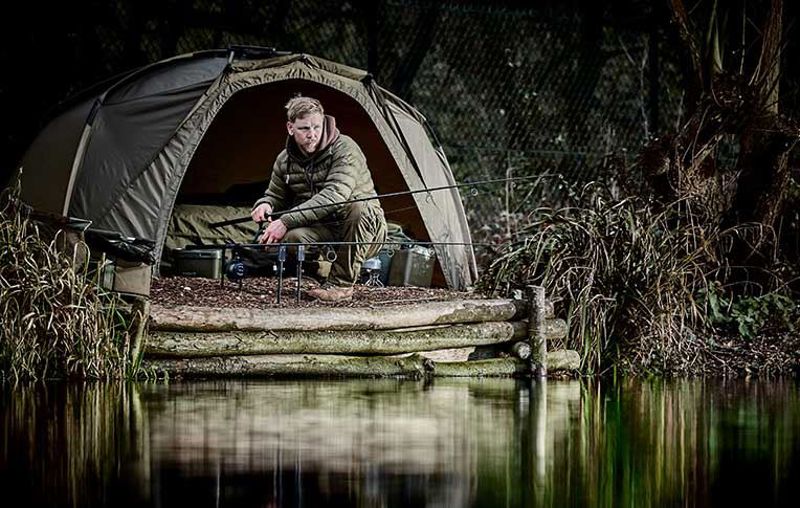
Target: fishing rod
[241, 220]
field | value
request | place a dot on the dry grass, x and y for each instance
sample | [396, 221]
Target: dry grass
[55, 322]
[637, 281]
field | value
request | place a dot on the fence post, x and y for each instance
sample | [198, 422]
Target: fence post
[536, 331]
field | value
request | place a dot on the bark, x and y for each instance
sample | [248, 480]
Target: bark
[521, 350]
[724, 102]
[693, 71]
[767, 74]
[493, 367]
[766, 139]
[414, 366]
[363, 342]
[328, 319]
[537, 331]
[461, 354]
[561, 360]
[293, 366]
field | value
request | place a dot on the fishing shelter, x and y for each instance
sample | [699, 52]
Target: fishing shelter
[204, 129]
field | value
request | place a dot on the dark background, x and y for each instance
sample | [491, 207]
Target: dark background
[511, 87]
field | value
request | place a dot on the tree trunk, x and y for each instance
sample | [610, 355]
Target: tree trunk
[364, 342]
[327, 319]
[561, 360]
[294, 366]
[766, 140]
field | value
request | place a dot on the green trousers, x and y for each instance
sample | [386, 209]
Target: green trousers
[362, 223]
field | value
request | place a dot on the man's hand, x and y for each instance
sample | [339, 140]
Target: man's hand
[274, 232]
[261, 213]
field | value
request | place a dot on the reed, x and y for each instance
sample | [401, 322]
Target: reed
[55, 320]
[634, 278]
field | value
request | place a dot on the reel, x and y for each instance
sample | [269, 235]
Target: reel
[235, 269]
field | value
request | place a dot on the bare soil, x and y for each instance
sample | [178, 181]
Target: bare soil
[261, 293]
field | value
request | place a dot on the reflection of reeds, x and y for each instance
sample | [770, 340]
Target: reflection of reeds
[72, 442]
[456, 443]
[55, 321]
[665, 444]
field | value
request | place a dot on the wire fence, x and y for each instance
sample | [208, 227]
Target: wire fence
[510, 91]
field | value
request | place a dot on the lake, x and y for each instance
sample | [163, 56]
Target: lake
[497, 443]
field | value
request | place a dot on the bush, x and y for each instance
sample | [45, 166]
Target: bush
[633, 278]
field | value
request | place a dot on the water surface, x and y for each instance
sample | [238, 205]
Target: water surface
[402, 443]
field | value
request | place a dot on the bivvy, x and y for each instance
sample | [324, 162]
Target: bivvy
[204, 129]
[150, 157]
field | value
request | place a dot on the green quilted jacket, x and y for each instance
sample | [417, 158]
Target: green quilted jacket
[338, 172]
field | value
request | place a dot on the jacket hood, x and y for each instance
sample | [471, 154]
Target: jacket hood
[329, 135]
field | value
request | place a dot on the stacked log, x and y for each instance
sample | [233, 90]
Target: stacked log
[426, 339]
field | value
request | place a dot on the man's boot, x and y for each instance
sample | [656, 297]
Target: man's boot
[331, 293]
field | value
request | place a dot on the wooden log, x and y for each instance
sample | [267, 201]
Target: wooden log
[536, 332]
[563, 359]
[521, 350]
[554, 329]
[559, 360]
[460, 354]
[375, 342]
[414, 366]
[493, 367]
[188, 318]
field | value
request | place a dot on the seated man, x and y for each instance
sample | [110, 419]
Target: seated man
[312, 180]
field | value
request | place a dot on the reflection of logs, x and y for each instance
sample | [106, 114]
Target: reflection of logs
[413, 366]
[195, 344]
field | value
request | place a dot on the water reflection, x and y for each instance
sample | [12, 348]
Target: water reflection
[402, 443]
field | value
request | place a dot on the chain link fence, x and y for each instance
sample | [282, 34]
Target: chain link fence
[511, 91]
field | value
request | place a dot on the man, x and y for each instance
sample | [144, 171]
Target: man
[320, 168]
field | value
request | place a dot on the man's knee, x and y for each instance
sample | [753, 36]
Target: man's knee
[354, 211]
[299, 235]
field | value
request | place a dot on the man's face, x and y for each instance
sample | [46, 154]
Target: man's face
[306, 131]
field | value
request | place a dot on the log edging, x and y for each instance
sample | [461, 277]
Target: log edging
[361, 342]
[206, 319]
[390, 341]
[414, 366]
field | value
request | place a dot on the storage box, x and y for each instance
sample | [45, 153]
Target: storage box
[132, 278]
[198, 262]
[122, 276]
[412, 267]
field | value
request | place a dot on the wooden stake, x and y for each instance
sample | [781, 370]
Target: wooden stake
[537, 331]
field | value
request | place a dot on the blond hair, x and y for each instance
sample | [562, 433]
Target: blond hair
[298, 107]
